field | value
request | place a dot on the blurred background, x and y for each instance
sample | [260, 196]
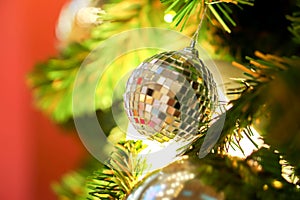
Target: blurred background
[33, 150]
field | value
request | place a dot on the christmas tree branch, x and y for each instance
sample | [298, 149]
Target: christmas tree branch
[256, 177]
[219, 9]
[52, 81]
[118, 176]
[268, 93]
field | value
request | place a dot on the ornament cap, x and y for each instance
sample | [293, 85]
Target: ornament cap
[191, 50]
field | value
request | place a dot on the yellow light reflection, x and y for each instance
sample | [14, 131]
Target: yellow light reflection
[277, 184]
[169, 16]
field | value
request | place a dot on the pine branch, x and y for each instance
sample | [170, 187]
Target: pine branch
[72, 186]
[269, 101]
[123, 170]
[220, 10]
[52, 81]
[295, 24]
[257, 177]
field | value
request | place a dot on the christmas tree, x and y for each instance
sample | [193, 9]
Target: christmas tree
[242, 145]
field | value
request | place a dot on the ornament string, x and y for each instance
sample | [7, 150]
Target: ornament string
[196, 34]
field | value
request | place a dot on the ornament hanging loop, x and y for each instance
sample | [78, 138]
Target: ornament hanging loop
[196, 34]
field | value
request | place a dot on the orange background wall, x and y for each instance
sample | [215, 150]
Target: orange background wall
[33, 151]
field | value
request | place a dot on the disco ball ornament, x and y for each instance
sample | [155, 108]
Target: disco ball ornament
[171, 95]
[178, 181]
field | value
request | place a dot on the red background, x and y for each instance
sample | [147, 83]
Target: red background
[34, 151]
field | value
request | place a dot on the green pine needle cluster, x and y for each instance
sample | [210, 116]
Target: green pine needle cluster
[52, 81]
[220, 11]
[119, 175]
[295, 24]
[258, 177]
[268, 101]
[72, 186]
[112, 180]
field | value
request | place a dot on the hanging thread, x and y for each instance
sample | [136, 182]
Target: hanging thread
[196, 34]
